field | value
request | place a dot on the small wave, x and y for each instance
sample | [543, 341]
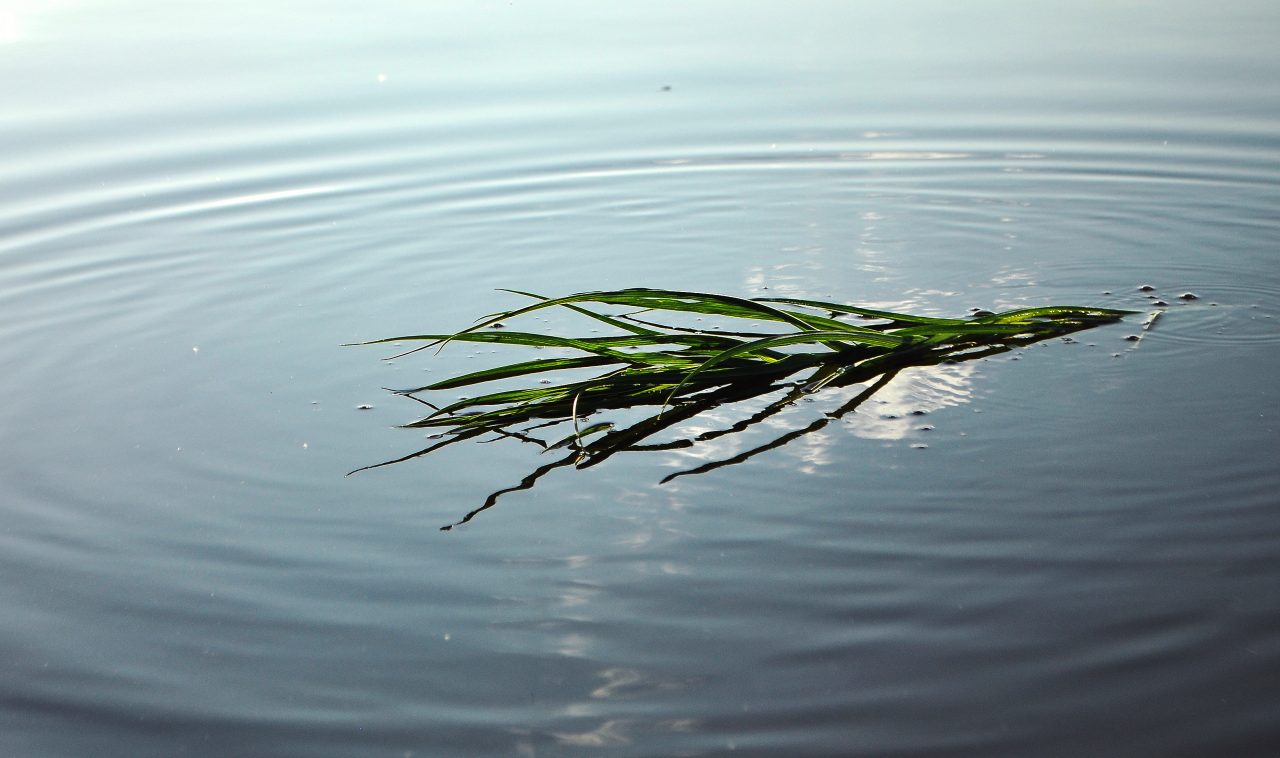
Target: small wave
[1197, 304]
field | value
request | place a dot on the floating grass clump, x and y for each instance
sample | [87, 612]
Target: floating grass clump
[658, 356]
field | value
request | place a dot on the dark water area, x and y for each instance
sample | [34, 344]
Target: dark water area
[1072, 552]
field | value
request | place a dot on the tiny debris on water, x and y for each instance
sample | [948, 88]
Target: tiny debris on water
[1188, 296]
[364, 407]
[1146, 288]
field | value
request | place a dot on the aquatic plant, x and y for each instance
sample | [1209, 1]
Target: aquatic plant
[684, 369]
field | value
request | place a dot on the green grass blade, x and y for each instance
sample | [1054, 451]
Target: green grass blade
[615, 323]
[576, 438]
[904, 318]
[652, 299]
[971, 330]
[515, 369]
[1054, 311]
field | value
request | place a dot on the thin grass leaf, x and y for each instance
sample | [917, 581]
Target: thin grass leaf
[652, 299]
[577, 436]
[970, 330]
[1054, 311]
[616, 323]
[514, 369]
[449, 440]
[904, 318]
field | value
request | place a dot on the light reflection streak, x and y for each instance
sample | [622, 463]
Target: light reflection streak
[776, 159]
[895, 415]
[608, 734]
[899, 406]
[261, 197]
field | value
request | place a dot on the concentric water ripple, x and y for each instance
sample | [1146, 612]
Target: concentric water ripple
[1068, 549]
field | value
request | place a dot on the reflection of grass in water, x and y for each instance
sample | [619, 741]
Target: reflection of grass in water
[682, 371]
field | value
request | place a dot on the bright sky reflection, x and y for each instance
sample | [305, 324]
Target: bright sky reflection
[16, 17]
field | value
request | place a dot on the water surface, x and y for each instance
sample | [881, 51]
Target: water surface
[201, 204]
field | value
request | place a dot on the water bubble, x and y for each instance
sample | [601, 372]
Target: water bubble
[1146, 288]
[1188, 296]
[364, 407]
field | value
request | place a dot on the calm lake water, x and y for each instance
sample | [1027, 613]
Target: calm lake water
[1080, 554]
